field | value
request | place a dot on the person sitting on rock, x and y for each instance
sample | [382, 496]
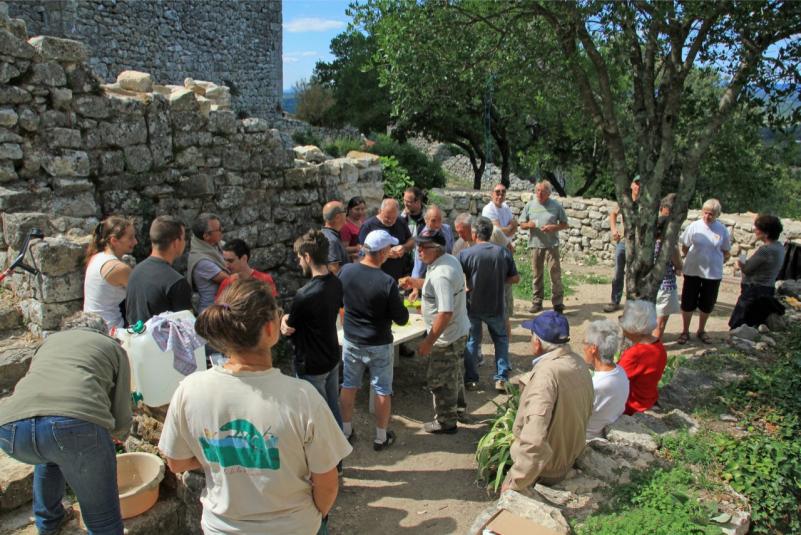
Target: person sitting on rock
[609, 382]
[555, 406]
[645, 360]
[236, 254]
[106, 274]
[62, 416]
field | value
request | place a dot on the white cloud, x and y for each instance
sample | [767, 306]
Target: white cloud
[294, 57]
[312, 24]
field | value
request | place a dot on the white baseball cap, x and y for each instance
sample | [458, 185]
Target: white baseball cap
[379, 239]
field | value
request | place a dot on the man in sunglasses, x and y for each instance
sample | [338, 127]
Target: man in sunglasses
[499, 212]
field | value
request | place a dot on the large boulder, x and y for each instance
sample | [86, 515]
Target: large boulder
[141, 82]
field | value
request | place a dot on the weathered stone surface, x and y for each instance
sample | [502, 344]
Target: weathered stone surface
[92, 106]
[56, 49]
[8, 117]
[12, 45]
[15, 359]
[61, 98]
[222, 122]
[19, 199]
[140, 82]
[255, 124]
[64, 137]
[138, 159]
[16, 226]
[56, 289]
[70, 163]
[49, 73]
[10, 94]
[183, 100]
[167, 516]
[9, 316]
[57, 256]
[309, 153]
[626, 430]
[48, 316]
[16, 482]
[28, 120]
[363, 159]
[526, 507]
[119, 133]
[7, 172]
[78, 205]
[10, 151]
[789, 287]
[745, 332]
[7, 136]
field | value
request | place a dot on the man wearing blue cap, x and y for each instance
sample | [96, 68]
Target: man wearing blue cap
[555, 406]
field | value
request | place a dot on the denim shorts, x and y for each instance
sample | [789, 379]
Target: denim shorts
[378, 359]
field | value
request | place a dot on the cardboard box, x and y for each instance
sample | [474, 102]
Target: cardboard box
[506, 523]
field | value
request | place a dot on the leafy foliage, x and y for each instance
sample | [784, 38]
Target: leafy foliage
[313, 101]
[396, 178]
[424, 173]
[340, 146]
[306, 137]
[493, 451]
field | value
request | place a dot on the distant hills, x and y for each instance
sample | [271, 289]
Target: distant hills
[289, 102]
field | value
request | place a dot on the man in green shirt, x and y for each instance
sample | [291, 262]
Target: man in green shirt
[543, 217]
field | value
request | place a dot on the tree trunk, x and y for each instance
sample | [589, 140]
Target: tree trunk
[550, 177]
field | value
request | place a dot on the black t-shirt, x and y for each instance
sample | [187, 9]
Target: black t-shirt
[314, 316]
[487, 266]
[155, 287]
[394, 267]
[372, 303]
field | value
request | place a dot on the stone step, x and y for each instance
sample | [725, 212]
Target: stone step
[16, 480]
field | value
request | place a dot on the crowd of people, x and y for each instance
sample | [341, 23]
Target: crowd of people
[272, 445]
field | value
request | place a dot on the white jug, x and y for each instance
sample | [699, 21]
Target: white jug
[152, 372]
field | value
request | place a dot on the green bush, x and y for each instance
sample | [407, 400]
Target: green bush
[341, 146]
[396, 179]
[306, 137]
[425, 173]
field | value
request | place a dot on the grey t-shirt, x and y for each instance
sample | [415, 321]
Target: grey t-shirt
[336, 251]
[764, 265]
[551, 213]
[443, 291]
[487, 266]
[205, 270]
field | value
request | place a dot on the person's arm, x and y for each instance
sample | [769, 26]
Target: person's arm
[397, 312]
[183, 465]
[411, 283]
[121, 397]
[324, 490]
[530, 450]
[116, 273]
[441, 321]
[561, 222]
[525, 222]
[613, 213]
[514, 279]
[180, 295]
[755, 263]
[219, 277]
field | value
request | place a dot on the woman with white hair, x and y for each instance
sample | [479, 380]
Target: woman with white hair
[706, 244]
[609, 382]
[644, 362]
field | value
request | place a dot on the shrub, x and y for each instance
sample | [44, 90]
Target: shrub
[396, 179]
[313, 102]
[341, 146]
[306, 137]
[425, 173]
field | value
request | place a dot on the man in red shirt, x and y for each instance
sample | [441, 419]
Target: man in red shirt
[237, 255]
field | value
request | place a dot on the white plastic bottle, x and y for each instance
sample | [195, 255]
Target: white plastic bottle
[153, 374]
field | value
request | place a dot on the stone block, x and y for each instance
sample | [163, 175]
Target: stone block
[92, 106]
[8, 117]
[9, 317]
[191, 157]
[15, 359]
[138, 159]
[81, 79]
[222, 122]
[28, 120]
[69, 138]
[167, 516]
[122, 132]
[16, 482]
[363, 159]
[309, 153]
[196, 185]
[528, 507]
[371, 174]
[183, 100]
[627, 430]
[7, 172]
[112, 162]
[78, 205]
[51, 74]
[70, 163]
[255, 124]
[61, 98]
[10, 94]
[48, 316]
[10, 151]
[12, 45]
[57, 256]
[16, 226]
[141, 82]
[57, 289]
[57, 49]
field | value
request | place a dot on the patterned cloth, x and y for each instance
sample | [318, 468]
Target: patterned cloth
[669, 280]
[445, 372]
[179, 337]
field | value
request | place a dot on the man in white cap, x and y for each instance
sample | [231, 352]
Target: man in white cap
[372, 302]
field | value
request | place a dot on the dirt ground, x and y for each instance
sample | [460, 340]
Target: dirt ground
[427, 483]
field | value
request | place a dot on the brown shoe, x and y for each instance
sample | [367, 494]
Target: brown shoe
[500, 386]
[533, 309]
[611, 307]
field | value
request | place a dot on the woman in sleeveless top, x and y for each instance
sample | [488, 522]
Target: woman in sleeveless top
[107, 275]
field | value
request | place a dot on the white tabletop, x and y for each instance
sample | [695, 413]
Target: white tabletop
[400, 333]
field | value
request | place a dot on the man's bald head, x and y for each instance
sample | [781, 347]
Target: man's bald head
[334, 215]
[388, 213]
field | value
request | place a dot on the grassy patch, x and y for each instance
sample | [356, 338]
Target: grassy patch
[524, 290]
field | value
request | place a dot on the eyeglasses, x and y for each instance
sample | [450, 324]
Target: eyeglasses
[499, 192]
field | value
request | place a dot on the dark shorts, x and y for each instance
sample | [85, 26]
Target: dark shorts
[699, 293]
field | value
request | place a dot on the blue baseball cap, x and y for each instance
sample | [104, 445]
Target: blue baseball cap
[549, 326]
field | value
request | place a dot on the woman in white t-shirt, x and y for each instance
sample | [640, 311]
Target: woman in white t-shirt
[609, 382]
[706, 243]
[106, 274]
[268, 443]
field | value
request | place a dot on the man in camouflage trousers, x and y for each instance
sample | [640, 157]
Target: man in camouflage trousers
[445, 316]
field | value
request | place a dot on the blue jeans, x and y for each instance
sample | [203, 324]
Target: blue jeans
[327, 384]
[497, 329]
[80, 452]
[378, 359]
[620, 272]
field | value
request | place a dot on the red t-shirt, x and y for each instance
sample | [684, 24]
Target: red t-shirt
[258, 275]
[349, 233]
[644, 365]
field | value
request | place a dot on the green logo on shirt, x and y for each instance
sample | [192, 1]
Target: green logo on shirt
[239, 443]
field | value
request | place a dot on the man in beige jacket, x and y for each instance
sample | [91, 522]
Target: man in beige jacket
[555, 405]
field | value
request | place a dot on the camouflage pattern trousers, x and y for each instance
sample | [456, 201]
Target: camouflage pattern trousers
[445, 379]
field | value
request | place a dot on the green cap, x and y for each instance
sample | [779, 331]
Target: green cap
[137, 328]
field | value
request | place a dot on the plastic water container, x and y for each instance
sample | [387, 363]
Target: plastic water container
[153, 375]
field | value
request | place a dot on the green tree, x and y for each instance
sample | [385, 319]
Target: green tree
[359, 99]
[313, 101]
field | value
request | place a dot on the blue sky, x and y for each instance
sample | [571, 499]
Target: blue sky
[309, 26]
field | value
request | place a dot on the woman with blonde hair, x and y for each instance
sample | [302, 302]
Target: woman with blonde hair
[267, 443]
[106, 274]
[706, 244]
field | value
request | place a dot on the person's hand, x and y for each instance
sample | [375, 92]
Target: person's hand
[286, 330]
[396, 252]
[616, 236]
[414, 295]
[424, 349]
[548, 228]
[405, 283]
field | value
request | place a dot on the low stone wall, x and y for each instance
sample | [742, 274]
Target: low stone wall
[74, 150]
[588, 239]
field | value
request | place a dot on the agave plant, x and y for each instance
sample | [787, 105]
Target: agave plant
[493, 451]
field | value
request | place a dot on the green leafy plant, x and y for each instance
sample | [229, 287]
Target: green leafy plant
[341, 146]
[396, 178]
[493, 453]
[306, 137]
[424, 172]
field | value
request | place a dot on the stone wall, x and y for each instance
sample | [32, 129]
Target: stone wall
[236, 43]
[73, 150]
[589, 237]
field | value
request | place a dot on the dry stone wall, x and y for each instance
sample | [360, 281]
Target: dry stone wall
[73, 150]
[589, 236]
[236, 43]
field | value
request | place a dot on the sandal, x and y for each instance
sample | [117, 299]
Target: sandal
[703, 337]
[683, 338]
